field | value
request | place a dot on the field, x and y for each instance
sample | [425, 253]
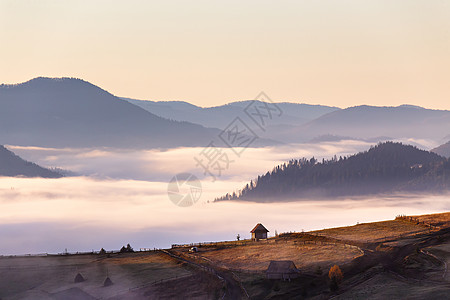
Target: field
[257, 256]
[395, 259]
[373, 232]
[52, 277]
[441, 220]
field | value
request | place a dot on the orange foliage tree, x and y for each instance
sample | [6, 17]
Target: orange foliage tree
[336, 276]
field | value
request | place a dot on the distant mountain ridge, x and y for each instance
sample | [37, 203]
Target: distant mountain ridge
[221, 116]
[365, 121]
[443, 150]
[12, 165]
[303, 122]
[69, 112]
[384, 169]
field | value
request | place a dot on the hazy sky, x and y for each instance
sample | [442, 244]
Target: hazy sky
[340, 53]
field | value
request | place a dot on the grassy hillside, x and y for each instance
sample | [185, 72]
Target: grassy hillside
[134, 276]
[403, 258]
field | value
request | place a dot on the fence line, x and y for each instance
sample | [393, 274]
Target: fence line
[416, 221]
[183, 257]
[77, 253]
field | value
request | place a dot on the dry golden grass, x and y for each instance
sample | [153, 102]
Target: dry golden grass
[141, 258]
[369, 232]
[257, 257]
[442, 220]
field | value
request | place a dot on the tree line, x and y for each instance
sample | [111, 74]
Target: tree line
[385, 167]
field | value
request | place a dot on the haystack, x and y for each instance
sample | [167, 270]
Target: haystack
[79, 278]
[108, 282]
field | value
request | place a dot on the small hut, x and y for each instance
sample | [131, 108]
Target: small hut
[259, 232]
[282, 269]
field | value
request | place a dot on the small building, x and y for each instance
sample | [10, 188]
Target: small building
[259, 232]
[282, 269]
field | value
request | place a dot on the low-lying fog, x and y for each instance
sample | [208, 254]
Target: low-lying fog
[122, 198]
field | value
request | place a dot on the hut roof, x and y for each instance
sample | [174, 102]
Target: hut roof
[282, 266]
[259, 228]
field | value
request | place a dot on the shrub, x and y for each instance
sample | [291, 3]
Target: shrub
[129, 248]
[126, 249]
[336, 277]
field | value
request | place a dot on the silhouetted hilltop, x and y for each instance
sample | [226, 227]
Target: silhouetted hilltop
[386, 168]
[12, 165]
[69, 112]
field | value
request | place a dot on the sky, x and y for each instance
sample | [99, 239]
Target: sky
[339, 53]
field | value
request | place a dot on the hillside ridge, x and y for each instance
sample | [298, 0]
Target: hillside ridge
[383, 169]
[12, 165]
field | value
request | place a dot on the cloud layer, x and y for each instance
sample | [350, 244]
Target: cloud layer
[125, 200]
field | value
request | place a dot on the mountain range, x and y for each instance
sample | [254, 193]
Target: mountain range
[220, 116]
[364, 121]
[300, 123]
[12, 165]
[370, 123]
[69, 112]
[387, 168]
